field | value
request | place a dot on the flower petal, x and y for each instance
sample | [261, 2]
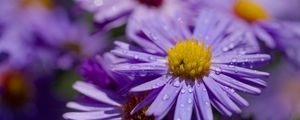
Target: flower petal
[77, 106]
[239, 71]
[94, 115]
[220, 95]
[233, 83]
[141, 69]
[184, 105]
[91, 91]
[153, 84]
[165, 99]
[135, 55]
[203, 102]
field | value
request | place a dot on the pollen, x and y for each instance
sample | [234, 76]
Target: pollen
[250, 11]
[48, 4]
[189, 60]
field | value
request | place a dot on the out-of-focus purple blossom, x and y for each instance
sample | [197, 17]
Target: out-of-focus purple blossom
[113, 13]
[267, 21]
[280, 101]
[168, 49]
[72, 40]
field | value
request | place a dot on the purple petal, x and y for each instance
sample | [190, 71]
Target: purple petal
[135, 55]
[153, 84]
[151, 96]
[164, 100]
[221, 108]
[239, 71]
[236, 97]
[221, 95]
[203, 102]
[232, 59]
[141, 69]
[264, 36]
[77, 106]
[91, 91]
[254, 82]
[184, 105]
[94, 115]
[233, 83]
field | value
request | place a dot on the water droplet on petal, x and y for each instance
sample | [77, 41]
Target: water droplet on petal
[218, 71]
[166, 97]
[136, 57]
[190, 90]
[176, 83]
[181, 105]
[182, 91]
[190, 100]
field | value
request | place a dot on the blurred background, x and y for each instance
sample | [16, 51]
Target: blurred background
[44, 42]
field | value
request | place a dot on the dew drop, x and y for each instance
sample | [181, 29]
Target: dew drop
[98, 2]
[136, 57]
[181, 105]
[190, 100]
[190, 90]
[152, 58]
[176, 83]
[166, 97]
[225, 49]
[182, 91]
[218, 71]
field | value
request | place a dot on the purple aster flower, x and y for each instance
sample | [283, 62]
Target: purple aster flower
[16, 93]
[71, 40]
[112, 13]
[96, 71]
[195, 69]
[99, 100]
[281, 94]
[103, 105]
[264, 20]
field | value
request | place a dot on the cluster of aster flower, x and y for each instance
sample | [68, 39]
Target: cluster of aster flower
[177, 59]
[182, 58]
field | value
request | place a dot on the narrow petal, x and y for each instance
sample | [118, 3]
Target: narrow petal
[233, 59]
[151, 96]
[153, 84]
[164, 100]
[236, 97]
[233, 83]
[95, 115]
[221, 108]
[141, 69]
[77, 106]
[184, 105]
[221, 95]
[91, 91]
[135, 55]
[264, 36]
[239, 71]
[254, 82]
[203, 102]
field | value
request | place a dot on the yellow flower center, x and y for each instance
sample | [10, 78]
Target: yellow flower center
[189, 59]
[73, 46]
[48, 4]
[250, 11]
[16, 91]
[130, 104]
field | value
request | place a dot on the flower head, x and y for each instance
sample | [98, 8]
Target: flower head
[264, 21]
[193, 69]
[113, 13]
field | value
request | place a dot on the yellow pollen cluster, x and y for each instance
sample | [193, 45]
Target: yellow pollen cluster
[189, 59]
[250, 11]
[48, 4]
